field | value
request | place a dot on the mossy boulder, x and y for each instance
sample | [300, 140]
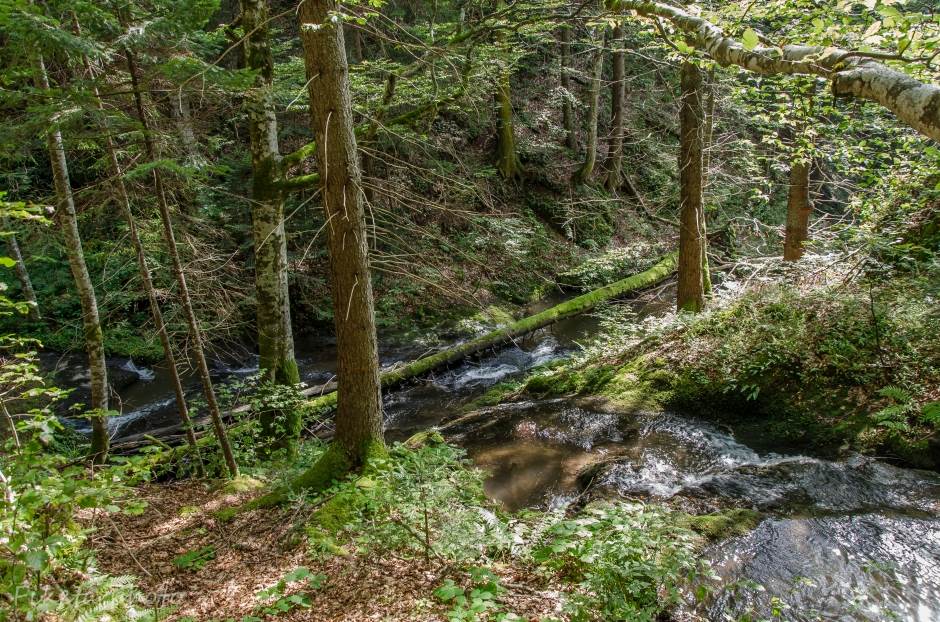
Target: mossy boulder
[725, 524]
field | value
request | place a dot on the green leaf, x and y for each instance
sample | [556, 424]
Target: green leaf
[7, 262]
[750, 39]
[449, 591]
[36, 559]
[930, 413]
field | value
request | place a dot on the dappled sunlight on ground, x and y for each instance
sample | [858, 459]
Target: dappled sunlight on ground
[257, 549]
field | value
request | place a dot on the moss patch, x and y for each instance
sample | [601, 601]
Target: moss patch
[725, 524]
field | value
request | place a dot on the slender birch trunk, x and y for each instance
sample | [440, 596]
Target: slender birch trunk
[91, 322]
[202, 367]
[690, 295]
[914, 102]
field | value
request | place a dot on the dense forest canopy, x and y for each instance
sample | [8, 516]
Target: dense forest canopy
[665, 271]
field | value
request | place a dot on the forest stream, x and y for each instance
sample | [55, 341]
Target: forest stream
[853, 538]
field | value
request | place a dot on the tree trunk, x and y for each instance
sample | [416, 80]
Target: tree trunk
[583, 174]
[507, 158]
[614, 164]
[567, 111]
[202, 367]
[359, 407]
[707, 143]
[145, 280]
[94, 339]
[799, 208]
[691, 294]
[275, 335]
[181, 112]
[22, 275]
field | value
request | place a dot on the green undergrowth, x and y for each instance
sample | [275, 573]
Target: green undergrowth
[424, 500]
[629, 387]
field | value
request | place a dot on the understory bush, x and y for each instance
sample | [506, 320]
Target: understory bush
[627, 561]
[424, 500]
[45, 567]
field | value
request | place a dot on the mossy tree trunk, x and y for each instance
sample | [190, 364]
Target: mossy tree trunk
[691, 292]
[618, 83]
[359, 406]
[507, 158]
[567, 110]
[22, 275]
[273, 317]
[799, 208]
[586, 171]
[91, 322]
[195, 332]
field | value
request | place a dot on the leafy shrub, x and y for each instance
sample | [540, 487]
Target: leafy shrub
[478, 602]
[423, 502]
[44, 567]
[628, 561]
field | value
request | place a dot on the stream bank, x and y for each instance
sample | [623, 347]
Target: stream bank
[560, 429]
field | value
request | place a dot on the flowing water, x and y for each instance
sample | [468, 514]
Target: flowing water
[852, 538]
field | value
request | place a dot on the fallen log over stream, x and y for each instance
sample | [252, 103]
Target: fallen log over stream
[500, 336]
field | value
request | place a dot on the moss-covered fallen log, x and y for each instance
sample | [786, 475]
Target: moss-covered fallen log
[569, 308]
[580, 304]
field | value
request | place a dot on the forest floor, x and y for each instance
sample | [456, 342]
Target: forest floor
[255, 551]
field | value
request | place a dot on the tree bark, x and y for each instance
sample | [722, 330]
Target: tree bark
[799, 208]
[618, 83]
[507, 158]
[22, 275]
[850, 74]
[707, 143]
[584, 173]
[91, 322]
[275, 335]
[359, 407]
[202, 367]
[181, 112]
[567, 111]
[691, 294]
